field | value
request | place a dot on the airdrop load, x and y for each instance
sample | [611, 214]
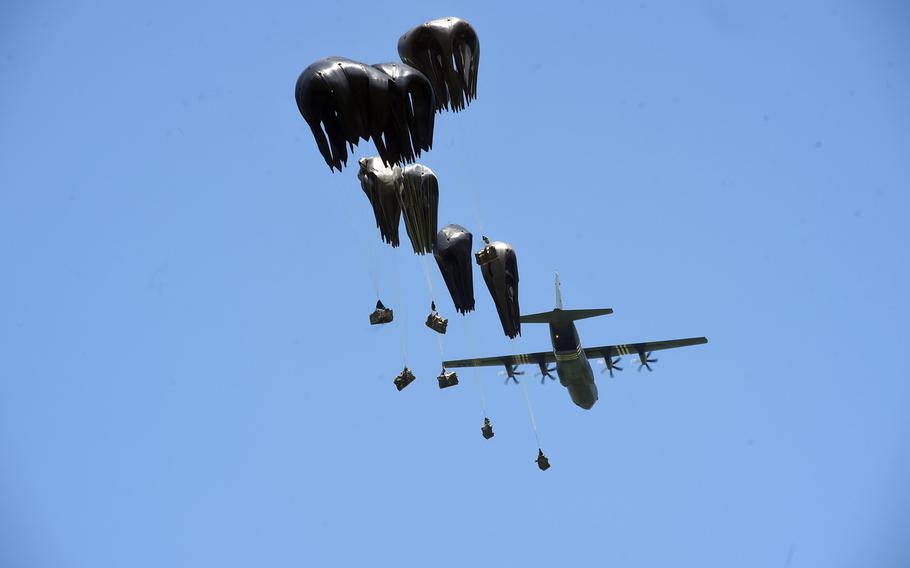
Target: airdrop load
[487, 428]
[542, 462]
[435, 321]
[486, 254]
[447, 379]
[381, 314]
[404, 378]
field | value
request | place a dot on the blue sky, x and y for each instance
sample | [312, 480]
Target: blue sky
[187, 377]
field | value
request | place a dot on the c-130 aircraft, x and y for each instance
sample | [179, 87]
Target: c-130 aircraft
[572, 360]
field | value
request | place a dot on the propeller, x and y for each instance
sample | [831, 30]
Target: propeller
[511, 372]
[611, 364]
[644, 359]
[544, 372]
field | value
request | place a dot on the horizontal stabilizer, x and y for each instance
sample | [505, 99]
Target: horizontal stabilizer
[563, 316]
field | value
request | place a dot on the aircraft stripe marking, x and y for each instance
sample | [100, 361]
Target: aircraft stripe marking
[569, 356]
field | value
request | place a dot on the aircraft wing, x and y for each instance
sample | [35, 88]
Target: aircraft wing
[503, 360]
[639, 348]
[548, 357]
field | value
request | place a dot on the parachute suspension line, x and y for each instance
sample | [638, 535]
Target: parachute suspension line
[476, 211]
[371, 266]
[524, 389]
[477, 373]
[368, 253]
[400, 307]
[426, 274]
[442, 356]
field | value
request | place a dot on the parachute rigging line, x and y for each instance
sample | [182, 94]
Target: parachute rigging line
[400, 307]
[476, 210]
[426, 273]
[483, 398]
[369, 251]
[524, 388]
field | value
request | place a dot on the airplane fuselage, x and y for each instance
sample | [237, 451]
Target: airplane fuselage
[572, 365]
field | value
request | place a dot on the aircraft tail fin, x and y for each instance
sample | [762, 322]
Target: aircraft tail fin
[558, 294]
[559, 315]
[564, 316]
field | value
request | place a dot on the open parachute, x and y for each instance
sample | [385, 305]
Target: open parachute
[344, 101]
[499, 266]
[453, 255]
[447, 51]
[380, 184]
[411, 192]
[419, 198]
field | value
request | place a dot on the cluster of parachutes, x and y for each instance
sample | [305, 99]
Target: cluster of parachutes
[344, 101]
[412, 192]
[394, 104]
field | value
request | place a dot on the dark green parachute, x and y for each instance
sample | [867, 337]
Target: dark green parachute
[453, 255]
[380, 183]
[419, 198]
[344, 101]
[447, 51]
[499, 266]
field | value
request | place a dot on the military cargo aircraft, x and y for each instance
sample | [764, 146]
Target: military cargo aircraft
[572, 360]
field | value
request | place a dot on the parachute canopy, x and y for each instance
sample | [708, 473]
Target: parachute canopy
[380, 184]
[419, 199]
[501, 276]
[453, 255]
[344, 101]
[413, 95]
[447, 51]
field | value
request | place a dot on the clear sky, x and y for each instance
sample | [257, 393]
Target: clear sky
[187, 377]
